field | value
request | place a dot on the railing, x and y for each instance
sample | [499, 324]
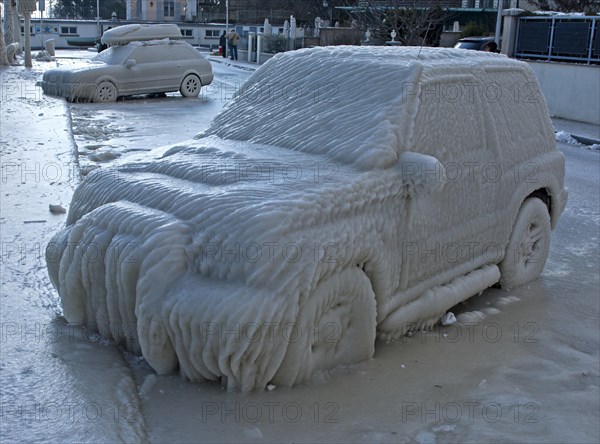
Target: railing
[274, 43]
[559, 38]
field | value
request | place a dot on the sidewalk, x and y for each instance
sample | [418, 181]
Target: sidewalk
[241, 64]
[59, 382]
[585, 133]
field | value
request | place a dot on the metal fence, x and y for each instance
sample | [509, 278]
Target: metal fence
[273, 43]
[559, 38]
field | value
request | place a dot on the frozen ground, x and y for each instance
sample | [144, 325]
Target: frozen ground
[521, 366]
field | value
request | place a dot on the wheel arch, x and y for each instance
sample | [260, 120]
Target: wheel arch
[553, 201]
[108, 79]
[192, 72]
[371, 271]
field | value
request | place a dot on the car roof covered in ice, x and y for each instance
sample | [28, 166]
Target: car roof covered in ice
[118, 53]
[355, 105]
[121, 35]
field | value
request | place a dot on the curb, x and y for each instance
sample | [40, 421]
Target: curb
[227, 62]
[585, 140]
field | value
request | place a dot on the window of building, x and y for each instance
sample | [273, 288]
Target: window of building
[212, 33]
[169, 9]
[187, 32]
[31, 30]
[68, 30]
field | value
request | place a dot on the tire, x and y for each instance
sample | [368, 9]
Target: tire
[335, 326]
[105, 92]
[190, 86]
[528, 245]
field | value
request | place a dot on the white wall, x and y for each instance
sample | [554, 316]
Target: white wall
[572, 91]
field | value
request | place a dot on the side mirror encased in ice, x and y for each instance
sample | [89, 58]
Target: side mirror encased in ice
[130, 63]
[422, 173]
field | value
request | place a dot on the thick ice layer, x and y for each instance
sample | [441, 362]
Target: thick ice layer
[272, 247]
[354, 104]
[121, 35]
[172, 257]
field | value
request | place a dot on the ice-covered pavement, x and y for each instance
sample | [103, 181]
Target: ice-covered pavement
[58, 383]
[520, 366]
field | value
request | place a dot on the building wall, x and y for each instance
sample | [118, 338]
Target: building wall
[154, 10]
[571, 90]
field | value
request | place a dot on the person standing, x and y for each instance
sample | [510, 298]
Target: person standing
[233, 37]
[223, 43]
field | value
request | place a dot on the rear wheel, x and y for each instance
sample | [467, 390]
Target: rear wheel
[190, 87]
[528, 246]
[335, 326]
[105, 92]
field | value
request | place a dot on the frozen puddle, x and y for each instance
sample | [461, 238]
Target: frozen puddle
[119, 415]
[109, 133]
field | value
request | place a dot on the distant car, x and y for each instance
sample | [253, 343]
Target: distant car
[345, 193]
[475, 43]
[155, 66]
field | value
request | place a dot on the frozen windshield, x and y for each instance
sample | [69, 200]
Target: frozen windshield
[114, 55]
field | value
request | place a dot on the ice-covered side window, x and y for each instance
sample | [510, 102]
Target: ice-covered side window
[450, 121]
[175, 52]
[146, 54]
[518, 101]
[113, 56]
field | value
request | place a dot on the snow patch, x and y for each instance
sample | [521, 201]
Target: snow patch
[564, 137]
[444, 428]
[147, 386]
[490, 311]
[253, 433]
[448, 319]
[505, 300]
[471, 316]
[426, 438]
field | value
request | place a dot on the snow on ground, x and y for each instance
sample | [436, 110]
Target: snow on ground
[564, 137]
[526, 370]
[57, 382]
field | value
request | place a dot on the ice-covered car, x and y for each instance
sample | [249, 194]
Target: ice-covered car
[474, 43]
[138, 67]
[336, 198]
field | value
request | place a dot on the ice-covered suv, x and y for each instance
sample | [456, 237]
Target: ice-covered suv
[345, 193]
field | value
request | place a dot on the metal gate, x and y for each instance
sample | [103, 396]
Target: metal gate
[559, 38]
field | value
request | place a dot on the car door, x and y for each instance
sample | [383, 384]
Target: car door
[451, 232]
[143, 77]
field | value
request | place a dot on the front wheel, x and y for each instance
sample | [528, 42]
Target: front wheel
[336, 325]
[105, 92]
[528, 245]
[190, 87]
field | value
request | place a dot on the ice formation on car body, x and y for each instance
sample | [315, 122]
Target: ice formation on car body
[124, 34]
[278, 242]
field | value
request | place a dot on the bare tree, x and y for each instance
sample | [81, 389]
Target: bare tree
[587, 6]
[416, 22]
[3, 58]
[9, 33]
